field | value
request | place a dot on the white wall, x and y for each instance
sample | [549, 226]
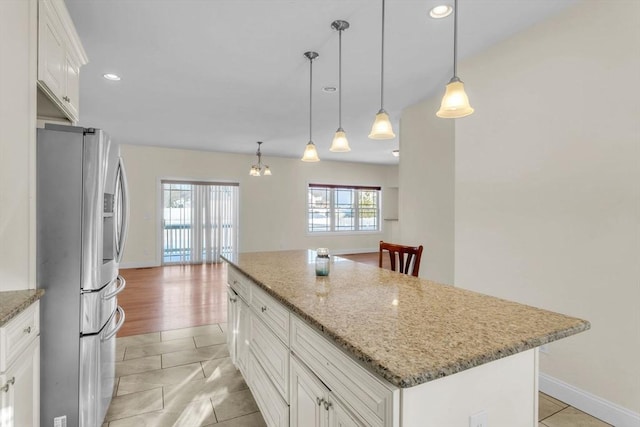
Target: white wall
[426, 174]
[18, 46]
[272, 209]
[547, 187]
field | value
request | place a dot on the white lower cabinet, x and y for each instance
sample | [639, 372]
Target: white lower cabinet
[274, 409]
[20, 370]
[313, 404]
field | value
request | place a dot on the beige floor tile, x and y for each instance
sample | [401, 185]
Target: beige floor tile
[190, 332]
[144, 350]
[223, 326]
[251, 420]
[138, 339]
[218, 367]
[158, 378]
[134, 404]
[548, 407]
[553, 399]
[211, 339]
[215, 387]
[195, 355]
[120, 349]
[234, 405]
[191, 415]
[136, 366]
[571, 417]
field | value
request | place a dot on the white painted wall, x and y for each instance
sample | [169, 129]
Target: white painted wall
[272, 209]
[18, 48]
[426, 199]
[547, 187]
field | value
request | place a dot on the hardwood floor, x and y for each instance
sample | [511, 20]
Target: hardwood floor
[172, 297]
[181, 296]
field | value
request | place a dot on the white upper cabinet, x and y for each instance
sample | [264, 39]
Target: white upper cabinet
[60, 56]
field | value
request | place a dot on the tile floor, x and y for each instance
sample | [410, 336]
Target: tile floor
[185, 378]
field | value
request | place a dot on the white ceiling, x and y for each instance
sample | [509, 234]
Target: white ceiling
[220, 75]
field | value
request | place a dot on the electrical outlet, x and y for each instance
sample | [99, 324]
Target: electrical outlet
[479, 420]
[60, 421]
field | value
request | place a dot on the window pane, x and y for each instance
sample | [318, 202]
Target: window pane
[344, 209]
[368, 210]
[319, 209]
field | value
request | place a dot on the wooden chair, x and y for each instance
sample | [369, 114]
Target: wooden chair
[404, 255]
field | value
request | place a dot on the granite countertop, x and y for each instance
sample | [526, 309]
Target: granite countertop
[406, 329]
[13, 303]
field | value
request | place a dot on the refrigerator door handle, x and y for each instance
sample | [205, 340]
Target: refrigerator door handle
[111, 334]
[123, 284]
[121, 183]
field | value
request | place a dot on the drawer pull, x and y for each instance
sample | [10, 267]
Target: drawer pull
[233, 299]
[327, 405]
[66, 98]
[27, 330]
[319, 401]
[263, 308]
[5, 387]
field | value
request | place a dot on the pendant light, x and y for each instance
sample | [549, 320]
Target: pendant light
[381, 128]
[340, 143]
[310, 152]
[259, 169]
[455, 102]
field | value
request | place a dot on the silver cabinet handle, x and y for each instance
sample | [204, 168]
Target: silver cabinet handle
[264, 308]
[27, 330]
[66, 98]
[319, 401]
[233, 299]
[327, 405]
[5, 387]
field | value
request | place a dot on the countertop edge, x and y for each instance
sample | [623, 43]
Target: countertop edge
[12, 303]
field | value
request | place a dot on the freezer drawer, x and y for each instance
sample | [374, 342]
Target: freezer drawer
[97, 371]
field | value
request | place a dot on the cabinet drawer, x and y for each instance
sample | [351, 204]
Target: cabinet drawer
[16, 335]
[368, 396]
[275, 411]
[239, 282]
[271, 312]
[271, 353]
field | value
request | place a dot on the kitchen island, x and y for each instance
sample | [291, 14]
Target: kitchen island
[373, 347]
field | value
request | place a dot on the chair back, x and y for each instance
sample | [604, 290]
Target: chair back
[406, 258]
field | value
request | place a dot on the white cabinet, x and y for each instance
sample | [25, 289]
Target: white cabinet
[238, 322]
[60, 56]
[313, 404]
[20, 370]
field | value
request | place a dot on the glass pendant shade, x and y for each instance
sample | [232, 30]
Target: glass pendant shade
[381, 128]
[254, 171]
[340, 143]
[267, 171]
[455, 102]
[310, 153]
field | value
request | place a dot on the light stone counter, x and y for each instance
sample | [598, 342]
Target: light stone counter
[13, 303]
[407, 330]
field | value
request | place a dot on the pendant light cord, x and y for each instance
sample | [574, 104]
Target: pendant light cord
[382, 63]
[340, 79]
[455, 38]
[310, 93]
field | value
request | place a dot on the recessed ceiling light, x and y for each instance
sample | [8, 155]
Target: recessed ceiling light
[441, 11]
[329, 89]
[111, 76]
[396, 153]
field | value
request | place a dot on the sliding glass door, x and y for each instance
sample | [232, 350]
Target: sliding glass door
[200, 221]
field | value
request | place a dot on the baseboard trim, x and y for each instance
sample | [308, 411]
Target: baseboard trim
[593, 405]
[139, 264]
[353, 251]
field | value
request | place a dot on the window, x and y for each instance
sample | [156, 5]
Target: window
[343, 208]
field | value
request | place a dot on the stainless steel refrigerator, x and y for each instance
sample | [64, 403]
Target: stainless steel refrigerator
[82, 214]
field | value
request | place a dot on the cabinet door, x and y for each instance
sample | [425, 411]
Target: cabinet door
[340, 416]
[308, 396]
[51, 52]
[20, 388]
[242, 337]
[71, 97]
[232, 323]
